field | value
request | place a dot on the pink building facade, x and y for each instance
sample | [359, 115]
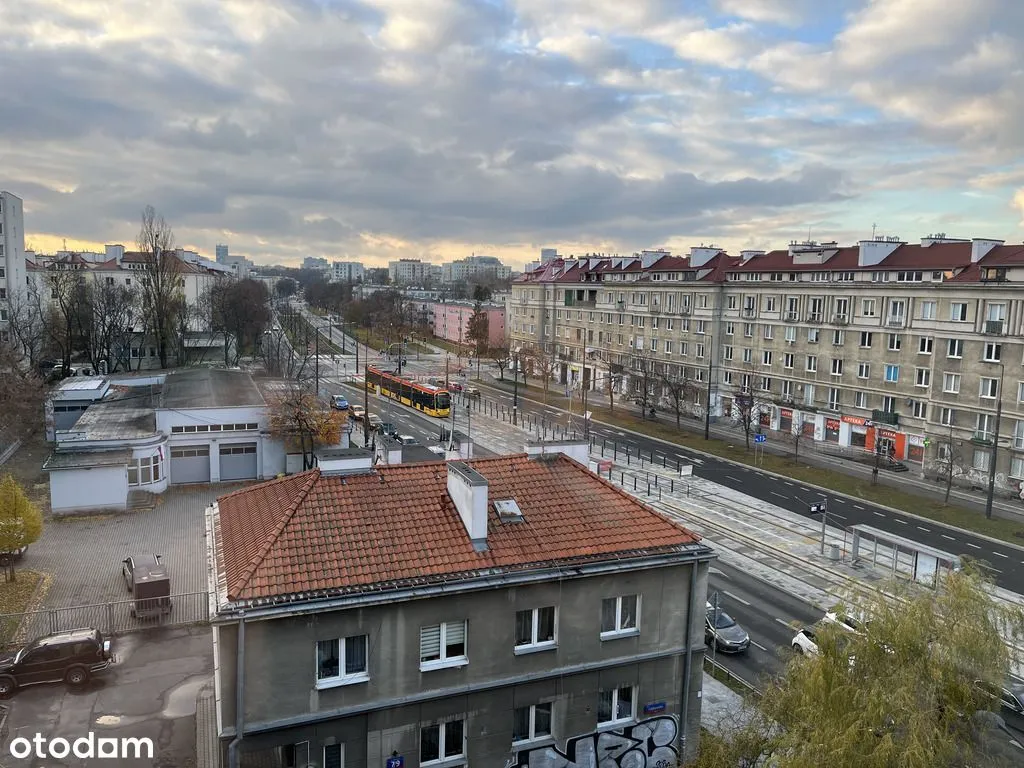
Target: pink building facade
[451, 322]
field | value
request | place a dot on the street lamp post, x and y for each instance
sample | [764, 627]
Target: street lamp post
[711, 371]
[316, 352]
[995, 446]
[515, 387]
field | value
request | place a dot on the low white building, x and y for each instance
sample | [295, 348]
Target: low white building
[148, 432]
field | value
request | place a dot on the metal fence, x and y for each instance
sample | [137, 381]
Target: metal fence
[114, 618]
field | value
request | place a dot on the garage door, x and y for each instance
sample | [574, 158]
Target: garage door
[238, 462]
[190, 464]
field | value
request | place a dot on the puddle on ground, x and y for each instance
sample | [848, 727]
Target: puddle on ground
[118, 721]
[181, 700]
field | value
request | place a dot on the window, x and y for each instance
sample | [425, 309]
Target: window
[769, 304]
[951, 383]
[766, 384]
[924, 345]
[1018, 435]
[535, 628]
[920, 409]
[895, 342]
[834, 396]
[443, 645]
[983, 426]
[1017, 467]
[341, 661]
[726, 352]
[837, 367]
[699, 349]
[955, 348]
[888, 404]
[892, 373]
[443, 741]
[837, 338]
[808, 394]
[958, 312]
[812, 363]
[533, 722]
[922, 377]
[947, 416]
[988, 388]
[860, 400]
[334, 755]
[701, 325]
[766, 357]
[769, 332]
[619, 616]
[748, 355]
[927, 310]
[865, 339]
[993, 352]
[616, 705]
[787, 360]
[790, 333]
[981, 459]
[748, 330]
[813, 334]
[730, 329]
[863, 370]
[1020, 391]
[867, 307]
[144, 471]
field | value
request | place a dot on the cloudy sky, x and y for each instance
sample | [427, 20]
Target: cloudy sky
[376, 129]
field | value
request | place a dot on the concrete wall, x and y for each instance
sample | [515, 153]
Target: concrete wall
[280, 664]
[97, 488]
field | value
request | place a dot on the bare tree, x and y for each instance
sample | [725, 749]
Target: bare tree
[27, 321]
[240, 312]
[298, 417]
[112, 309]
[949, 458]
[22, 393]
[643, 383]
[500, 357]
[542, 365]
[161, 282]
[68, 316]
[679, 387]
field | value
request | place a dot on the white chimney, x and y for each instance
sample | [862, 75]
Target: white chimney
[468, 491]
[981, 246]
[115, 252]
[751, 254]
[701, 255]
[872, 252]
[578, 450]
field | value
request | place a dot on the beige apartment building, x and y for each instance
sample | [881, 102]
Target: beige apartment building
[912, 351]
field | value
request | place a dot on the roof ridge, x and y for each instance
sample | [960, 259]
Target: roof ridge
[256, 560]
[268, 483]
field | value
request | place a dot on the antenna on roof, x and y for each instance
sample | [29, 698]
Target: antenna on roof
[874, 228]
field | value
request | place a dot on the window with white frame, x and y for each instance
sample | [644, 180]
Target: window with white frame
[865, 339]
[813, 335]
[808, 394]
[442, 742]
[443, 645]
[791, 333]
[924, 345]
[748, 330]
[947, 417]
[988, 388]
[860, 399]
[1020, 391]
[888, 404]
[922, 377]
[748, 355]
[787, 360]
[981, 459]
[144, 471]
[892, 373]
[957, 311]
[951, 383]
[983, 426]
[895, 342]
[701, 325]
[867, 307]
[993, 352]
[863, 370]
[769, 332]
[955, 348]
[766, 357]
[341, 661]
[726, 352]
[787, 388]
[1018, 435]
[616, 706]
[812, 363]
[620, 616]
[699, 350]
[535, 628]
[766, 384]
[920, 409]
[927, 310]
[834, 396]
[532, 722]
[837, 367]
[730, 329]
[1017, 467]
[727, 377]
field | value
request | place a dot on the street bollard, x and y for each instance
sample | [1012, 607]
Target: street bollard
[672, 485]
[634, 482]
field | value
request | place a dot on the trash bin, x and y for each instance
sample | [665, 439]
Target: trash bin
[834, 552]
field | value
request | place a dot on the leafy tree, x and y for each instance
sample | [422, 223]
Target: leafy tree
[299, 418]
[21, 523]
[160, 282]
[901, 692]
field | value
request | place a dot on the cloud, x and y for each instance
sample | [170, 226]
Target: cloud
[380, 128]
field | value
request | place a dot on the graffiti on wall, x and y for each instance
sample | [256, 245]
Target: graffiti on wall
[647, 744]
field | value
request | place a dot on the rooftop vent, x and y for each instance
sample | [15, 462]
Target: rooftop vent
[508, 511]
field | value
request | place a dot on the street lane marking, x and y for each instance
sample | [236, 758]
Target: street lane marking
[758, 645]
[922, 528]
[947, 537]
[787, 483]
[836, 514]
[901, 522]
[735, 479]
[858, 506]
[734, 597]
[779, 495]
[783, 622]
[999, 553]
[838, 500]
[972, 545]
[877, 513]
[802, 488]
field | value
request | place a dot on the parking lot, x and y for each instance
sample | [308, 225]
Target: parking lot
[150, 692]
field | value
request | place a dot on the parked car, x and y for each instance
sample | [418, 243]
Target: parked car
[356, 412]
[73, 657]
[149, 583]
[723, 632]
[375, 421]
[805, 642]
[389, 429]
[454, 386]
[339, 402]
[849, 623]
[1009, 695]
[472, 392]
[408, 440]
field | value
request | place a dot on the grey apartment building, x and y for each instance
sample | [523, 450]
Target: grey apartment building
[910, 350]
[512, 611]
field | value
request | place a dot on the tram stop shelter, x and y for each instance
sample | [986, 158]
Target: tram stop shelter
[903, 557]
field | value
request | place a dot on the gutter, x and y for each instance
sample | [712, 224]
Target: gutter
[688, 662]
[233, 747]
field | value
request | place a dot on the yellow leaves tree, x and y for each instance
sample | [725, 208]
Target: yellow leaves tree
[902, 692]
[21, 523]
[302, 421]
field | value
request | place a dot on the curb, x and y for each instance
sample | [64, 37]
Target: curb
[776, 475]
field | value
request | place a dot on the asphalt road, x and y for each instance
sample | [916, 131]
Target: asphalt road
[1005, 561]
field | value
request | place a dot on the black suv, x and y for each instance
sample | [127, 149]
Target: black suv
[72, 656]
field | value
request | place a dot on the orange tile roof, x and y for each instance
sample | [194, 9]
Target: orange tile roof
[398, 526]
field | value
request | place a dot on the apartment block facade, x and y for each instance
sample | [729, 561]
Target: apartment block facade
[450, 320]
[12, 257]
[509, 611]
[475, 266]
[911, 351]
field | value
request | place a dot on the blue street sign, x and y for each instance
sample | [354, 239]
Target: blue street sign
[760, 438]
[395, 762]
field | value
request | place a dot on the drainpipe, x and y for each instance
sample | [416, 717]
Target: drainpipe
[692, 614]
[233, 747]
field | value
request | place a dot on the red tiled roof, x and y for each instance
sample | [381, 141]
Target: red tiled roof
[720, 264]
[1003, 255]
[935, 256]
[312, 532]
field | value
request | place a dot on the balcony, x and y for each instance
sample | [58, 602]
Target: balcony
[994, 327]
[841, 319]
[982, 438]
[814, 317]
[885, 417]
[792, 315]
[895, 322]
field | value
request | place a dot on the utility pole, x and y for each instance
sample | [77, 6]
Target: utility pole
[366, 408]
[995, 446]
[515, 388]
[317, 353]
[711, 373]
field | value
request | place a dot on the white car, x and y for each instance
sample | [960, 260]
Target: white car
[805, 642]
[848, 623]
[356, 412]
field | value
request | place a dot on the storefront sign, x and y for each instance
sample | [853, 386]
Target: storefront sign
[831, 424]
[887, 433]
[787, 414]
[855, 420]
[916, 440]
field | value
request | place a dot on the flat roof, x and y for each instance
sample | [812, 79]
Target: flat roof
[114, 421]
[85, 459]
[210, 388]
[343, 453]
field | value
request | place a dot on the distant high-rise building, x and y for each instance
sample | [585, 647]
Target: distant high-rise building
[12, 256]
[317, 263]
[548, 254]
[475, 266]
[222, 254]
[348, 272]
[409, 271]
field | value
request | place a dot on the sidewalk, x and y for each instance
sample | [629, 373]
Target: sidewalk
[1003, 507]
